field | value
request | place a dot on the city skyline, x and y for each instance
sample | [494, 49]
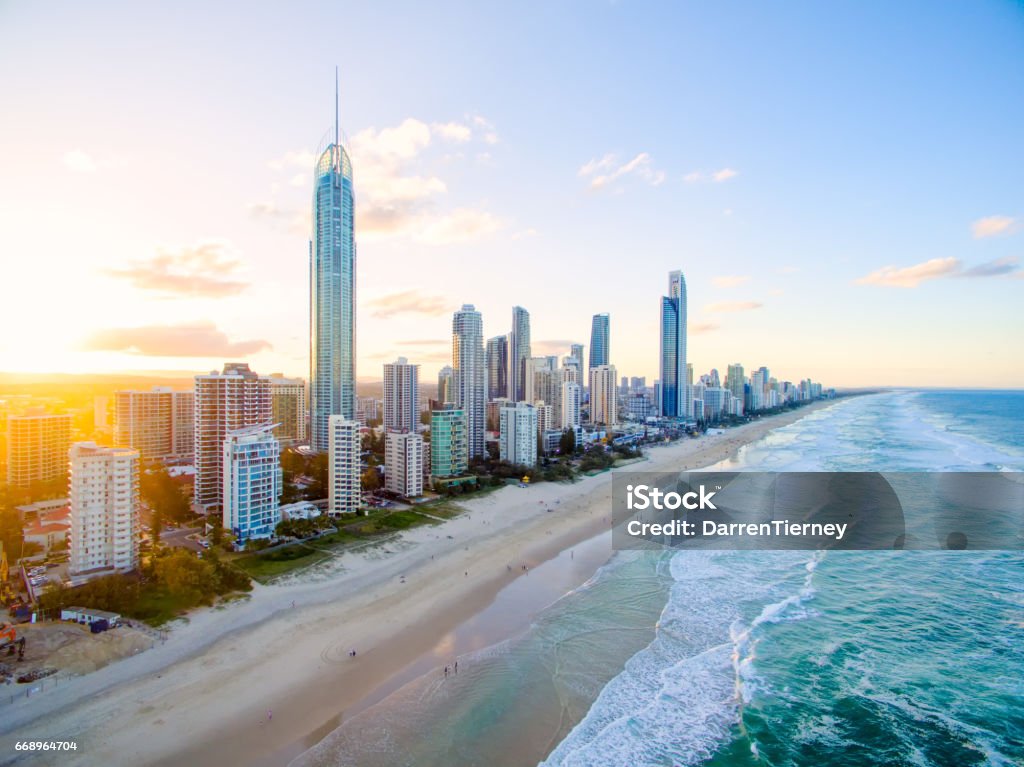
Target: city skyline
[830, 227]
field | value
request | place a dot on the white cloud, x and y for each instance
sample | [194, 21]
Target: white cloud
[938, 268]
[399, 192]
[461, 225]
[453, 131]
[992, 225]
[606, 170]
[702, 327]
[490, 135]
[208, 269]
[294, 159]
[199, 339]
[724, 174]
[80, 161]
[911, 276]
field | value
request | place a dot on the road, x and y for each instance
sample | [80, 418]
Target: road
[180, 539]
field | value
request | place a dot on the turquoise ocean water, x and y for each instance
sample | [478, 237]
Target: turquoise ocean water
[726, 658]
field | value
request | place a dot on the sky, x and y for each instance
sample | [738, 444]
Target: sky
[841, 183]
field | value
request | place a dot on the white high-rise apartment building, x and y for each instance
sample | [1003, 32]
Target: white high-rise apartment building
[603, 396]
[252, 483]
[104, 500]
[159, 423]
[224, 402]
[403, 463]
[345, 446]
[469, 375]
[290, 410]
[518, 437]
[545, 416]
[571, 398]
[758, 384]
[401, 396]
[544, 381]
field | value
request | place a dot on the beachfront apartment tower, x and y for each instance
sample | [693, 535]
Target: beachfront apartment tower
[576, 352]
[518, 435]
[332, 290]
[603, 396]
[446, 384]
[470, 378]
[403, 464]
[570, 410]
[37, 449]
[600, 336]
[672, 366]
[401, 396]
[224, 402]
[290, 411]
[158, 423]
[735, 381]
[448, 448]
[496, 357]
[103, 491]
[344, 448]
[518, 353]
[252, 483]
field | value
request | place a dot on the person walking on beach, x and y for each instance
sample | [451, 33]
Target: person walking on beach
[446, 672]
[270, 714]
[456, 667]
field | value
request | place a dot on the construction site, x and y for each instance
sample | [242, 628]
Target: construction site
[75, 642]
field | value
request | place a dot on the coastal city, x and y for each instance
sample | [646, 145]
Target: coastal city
[523, 385]
[140, 490]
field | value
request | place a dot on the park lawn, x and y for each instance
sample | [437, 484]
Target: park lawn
[443, 509]
[265, 566]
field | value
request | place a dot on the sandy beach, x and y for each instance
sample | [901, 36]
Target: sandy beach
[203, 696]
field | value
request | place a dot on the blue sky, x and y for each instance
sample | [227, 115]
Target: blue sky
[833, 178]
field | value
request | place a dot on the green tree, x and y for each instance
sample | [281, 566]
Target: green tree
[216, 530]
[567, 443]
[187, 577]
[163, 495]
[370, 480]
[156, 526]
[318, 470]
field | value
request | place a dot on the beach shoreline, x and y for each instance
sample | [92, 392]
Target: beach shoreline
[206, 695]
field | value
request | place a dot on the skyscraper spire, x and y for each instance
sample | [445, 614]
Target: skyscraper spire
[332, 311]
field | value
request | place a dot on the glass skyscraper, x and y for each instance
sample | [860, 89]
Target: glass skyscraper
[518, 353]
[496, 356]
[470, 376]
[599, 336]
[674, 396]
[332, 287]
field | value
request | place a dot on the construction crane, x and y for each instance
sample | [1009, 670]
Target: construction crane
[9, 641]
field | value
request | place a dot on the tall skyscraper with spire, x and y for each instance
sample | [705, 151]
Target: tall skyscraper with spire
[470, 377]
[332, 289]
[675, 400]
